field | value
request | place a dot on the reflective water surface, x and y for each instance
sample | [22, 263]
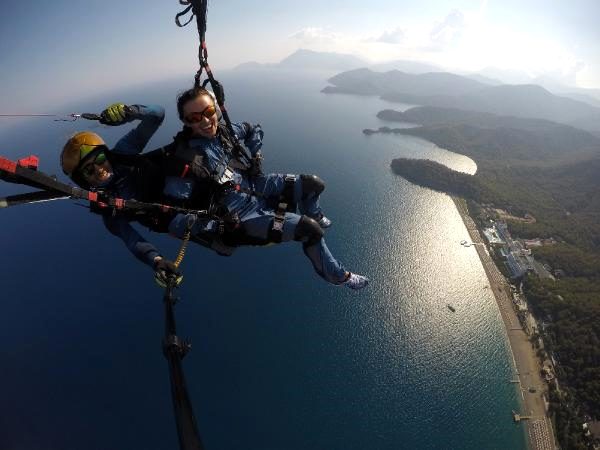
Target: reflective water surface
[281, 360]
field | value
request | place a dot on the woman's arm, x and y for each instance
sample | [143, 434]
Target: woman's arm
[251, 135]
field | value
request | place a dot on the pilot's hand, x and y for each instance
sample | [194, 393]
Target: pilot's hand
[116, 114]
[166, 271]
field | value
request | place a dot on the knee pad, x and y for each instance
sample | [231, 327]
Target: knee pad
[308, 231]
[311, 184]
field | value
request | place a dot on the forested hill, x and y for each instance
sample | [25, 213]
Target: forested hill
[430, 115]
[488, 137]
[536, 166]
[368, 82]
[565, 200]
[509, 146]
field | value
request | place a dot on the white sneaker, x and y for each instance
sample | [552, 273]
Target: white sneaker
[356, 281]
[324, 222]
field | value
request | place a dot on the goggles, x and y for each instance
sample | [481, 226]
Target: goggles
[86, 149]
[197, 117]
[92, 155]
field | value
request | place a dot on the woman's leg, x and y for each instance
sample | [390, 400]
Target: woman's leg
[303, 229]
[302, 190]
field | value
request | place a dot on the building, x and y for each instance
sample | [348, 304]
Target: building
[518, 264]
[493, 237]
[532, 243]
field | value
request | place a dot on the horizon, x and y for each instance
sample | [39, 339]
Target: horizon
[61, 51]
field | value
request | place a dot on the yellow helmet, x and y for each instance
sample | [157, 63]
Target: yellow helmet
[76, 149]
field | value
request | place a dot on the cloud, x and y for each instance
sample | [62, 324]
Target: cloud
[448, 31]
[569, 72]
[566, 75]
[395, 36]
[457, 40]
[315, 34]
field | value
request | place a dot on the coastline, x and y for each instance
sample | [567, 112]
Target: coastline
[527, 365]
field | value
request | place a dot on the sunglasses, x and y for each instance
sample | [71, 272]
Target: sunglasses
[89, 170]
[197, 117]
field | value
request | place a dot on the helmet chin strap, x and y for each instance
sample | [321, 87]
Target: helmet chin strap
[106, 182]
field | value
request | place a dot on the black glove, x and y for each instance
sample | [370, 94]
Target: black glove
[165, 271]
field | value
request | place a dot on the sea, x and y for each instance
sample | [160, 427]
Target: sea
[280, 359]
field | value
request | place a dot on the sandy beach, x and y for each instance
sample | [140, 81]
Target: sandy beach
[527, 365]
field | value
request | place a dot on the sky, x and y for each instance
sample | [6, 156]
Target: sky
[54, 52]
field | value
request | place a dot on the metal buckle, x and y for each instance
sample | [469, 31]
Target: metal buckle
[226, 176]
[278, 224]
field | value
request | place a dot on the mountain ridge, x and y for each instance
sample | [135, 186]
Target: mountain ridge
[442, 89]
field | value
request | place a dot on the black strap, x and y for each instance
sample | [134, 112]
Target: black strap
[231, 143]
[287, 195]
[276, 231]
[199, 10]
[183, 13]
[14, 173]
[31, 197]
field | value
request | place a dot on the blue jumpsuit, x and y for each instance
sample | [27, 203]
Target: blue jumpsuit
[255, 213]
[123, 186]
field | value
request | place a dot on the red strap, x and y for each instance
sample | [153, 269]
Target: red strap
[7, 165]
[119, 203]
[185, 170]
[31, 162]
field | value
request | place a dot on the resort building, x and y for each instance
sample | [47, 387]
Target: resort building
[532, 243]
[518, 264]
[494, 237]
[502, 229]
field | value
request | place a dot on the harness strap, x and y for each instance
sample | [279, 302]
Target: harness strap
[276, 231]
[183, 13]
[287, 195]
[231, 145]
[14, 172]
[199, 10]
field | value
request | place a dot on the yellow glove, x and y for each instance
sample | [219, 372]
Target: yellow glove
[115, 114]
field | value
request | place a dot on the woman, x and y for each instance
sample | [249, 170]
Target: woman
[204, 161]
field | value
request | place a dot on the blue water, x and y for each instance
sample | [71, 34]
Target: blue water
[281, 360]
